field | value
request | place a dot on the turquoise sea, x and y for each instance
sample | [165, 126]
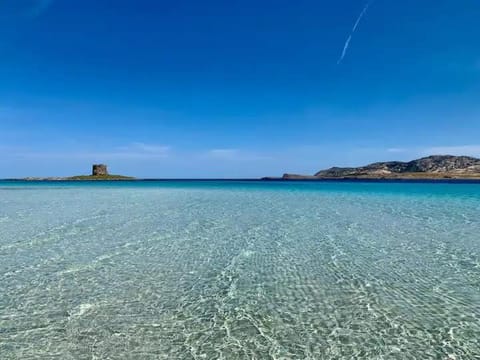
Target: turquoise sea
[239, 270]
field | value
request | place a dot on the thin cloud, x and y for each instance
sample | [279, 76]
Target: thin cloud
[137, 147]
[456, 150]
[355, 26]
[224, 153]
[397, 150]
[469, 150]
[134, 151]
[235, 155]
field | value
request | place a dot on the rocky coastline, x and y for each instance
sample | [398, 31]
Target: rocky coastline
[435, 167]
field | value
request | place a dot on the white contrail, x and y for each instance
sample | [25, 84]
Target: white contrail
[347, 43]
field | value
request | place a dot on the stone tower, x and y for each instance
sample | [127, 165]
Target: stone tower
[99, 170]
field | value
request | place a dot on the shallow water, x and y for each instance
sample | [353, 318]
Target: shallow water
[239, 270]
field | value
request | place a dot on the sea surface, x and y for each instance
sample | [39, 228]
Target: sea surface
[239, 270]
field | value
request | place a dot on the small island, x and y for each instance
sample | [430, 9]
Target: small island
[435, 167]
[99, 173]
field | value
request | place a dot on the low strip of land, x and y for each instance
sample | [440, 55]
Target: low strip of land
[82, 178]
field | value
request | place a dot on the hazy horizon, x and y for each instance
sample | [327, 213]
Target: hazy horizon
[88, 172]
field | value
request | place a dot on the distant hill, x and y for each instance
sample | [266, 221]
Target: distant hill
[431, 167]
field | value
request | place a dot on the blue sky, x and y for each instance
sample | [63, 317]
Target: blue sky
[234, 88]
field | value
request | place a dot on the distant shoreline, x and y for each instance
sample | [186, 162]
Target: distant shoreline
[434, 168]
[431, 168]
[259, 180]
[393, 177]
[80, 178]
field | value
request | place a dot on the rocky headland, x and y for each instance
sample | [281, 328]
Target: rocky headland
[431, 167]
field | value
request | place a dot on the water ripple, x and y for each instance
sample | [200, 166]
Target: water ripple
[217, 273]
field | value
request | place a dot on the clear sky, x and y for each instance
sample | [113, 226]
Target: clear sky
[246, 88]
